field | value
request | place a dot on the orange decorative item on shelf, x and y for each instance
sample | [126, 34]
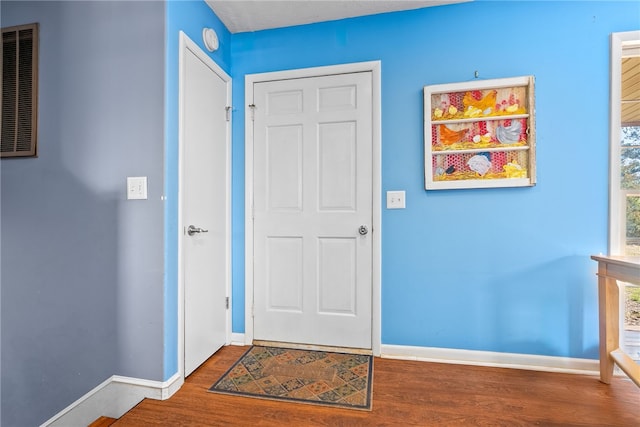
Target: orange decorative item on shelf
[483, 104]
[448, 136]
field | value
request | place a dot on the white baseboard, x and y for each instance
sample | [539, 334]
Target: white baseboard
[113, 398]
[494, 359]
[479, 358]
[237, 339]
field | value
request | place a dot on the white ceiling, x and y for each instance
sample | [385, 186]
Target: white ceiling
[254, 15]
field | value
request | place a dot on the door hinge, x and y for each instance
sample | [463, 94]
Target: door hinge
[253, 111]
[226, 303]
[227, 111]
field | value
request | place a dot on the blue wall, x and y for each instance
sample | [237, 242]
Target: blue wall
[82, 267]
[504, 270]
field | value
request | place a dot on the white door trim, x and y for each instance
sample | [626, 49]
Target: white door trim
[187, 44]
[375, 68]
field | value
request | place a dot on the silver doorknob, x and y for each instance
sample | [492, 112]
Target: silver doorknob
[363, 230]
[191, 230]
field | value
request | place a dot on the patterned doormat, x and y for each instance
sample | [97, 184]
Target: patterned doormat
[306, 376]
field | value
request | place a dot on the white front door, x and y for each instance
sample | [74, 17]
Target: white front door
[205, 199]
[313, 210]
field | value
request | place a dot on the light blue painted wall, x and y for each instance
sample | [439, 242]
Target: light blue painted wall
[82, 268]
[189, 17]
[504, 270]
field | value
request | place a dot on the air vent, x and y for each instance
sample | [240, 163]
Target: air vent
[19, 91]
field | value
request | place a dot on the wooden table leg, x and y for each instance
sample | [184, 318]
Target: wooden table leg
[609, 311]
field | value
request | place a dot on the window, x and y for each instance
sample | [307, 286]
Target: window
[630, 182]
[624, 218]
[19, 91]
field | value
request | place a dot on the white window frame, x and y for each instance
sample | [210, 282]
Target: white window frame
[621, 45]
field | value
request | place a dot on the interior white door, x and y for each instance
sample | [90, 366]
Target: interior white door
[205, 208]
[313, 210]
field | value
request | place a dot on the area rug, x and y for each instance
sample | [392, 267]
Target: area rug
[305, 376]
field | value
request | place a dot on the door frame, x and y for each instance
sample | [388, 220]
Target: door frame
[250, 79]
[186, 44]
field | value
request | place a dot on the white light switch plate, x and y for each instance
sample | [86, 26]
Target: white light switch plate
[136, 187]
[395, 200]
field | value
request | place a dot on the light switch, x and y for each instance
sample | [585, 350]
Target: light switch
[136, 187]
[395, 200]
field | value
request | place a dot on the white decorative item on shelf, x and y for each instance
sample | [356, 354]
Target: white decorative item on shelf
[480, 134]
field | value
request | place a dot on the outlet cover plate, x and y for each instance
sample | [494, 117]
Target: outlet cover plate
[395, 200]
[136, 187]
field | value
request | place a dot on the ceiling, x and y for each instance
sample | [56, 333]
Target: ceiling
[631, 90]
[254, 15]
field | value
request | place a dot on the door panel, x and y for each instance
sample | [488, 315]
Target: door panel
[284, 102]
[337, 98]
[337, 280]
[204, 195]
[337, 146]
[312, 191]
[284, 276]
[284, 163]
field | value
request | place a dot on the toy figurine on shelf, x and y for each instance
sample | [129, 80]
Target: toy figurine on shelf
[486, 138]
[510, 106]
[448, 136]
[514, 170]
[509, 134]
[479, 164]
[445, 110]
[476, 105]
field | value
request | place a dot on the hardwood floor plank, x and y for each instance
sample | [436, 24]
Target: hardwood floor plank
[103, 422]
[409, 393]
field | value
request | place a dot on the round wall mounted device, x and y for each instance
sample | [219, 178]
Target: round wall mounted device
[210, 39]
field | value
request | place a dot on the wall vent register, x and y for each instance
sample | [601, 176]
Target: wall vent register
[19, 91]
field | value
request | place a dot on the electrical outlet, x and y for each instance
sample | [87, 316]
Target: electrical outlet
[136, 187]
[395, 200]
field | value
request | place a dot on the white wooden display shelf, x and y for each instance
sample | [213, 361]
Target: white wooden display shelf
[480, 134]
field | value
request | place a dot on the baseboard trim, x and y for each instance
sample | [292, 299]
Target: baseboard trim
[493, 359]
[237, 339]
[479, 358]
[113, 398]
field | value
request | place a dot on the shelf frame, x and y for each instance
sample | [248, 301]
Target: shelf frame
[482, 85]
[479, 150]
[480, 119]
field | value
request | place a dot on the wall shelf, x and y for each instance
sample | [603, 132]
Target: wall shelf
[480, 134]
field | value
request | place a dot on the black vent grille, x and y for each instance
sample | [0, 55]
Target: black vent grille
[19, 91]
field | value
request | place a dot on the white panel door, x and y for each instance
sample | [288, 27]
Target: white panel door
[312, 194]
[204, 207]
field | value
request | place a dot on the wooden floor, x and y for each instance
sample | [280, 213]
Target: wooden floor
[409, 393]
